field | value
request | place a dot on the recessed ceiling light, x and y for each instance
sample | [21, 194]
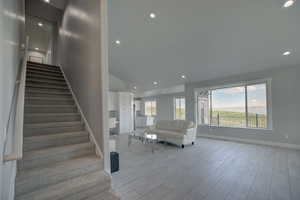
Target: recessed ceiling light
[155, 83]
[289, 3]
[286, 53]
[183, 76]
[40, 24]
[47, 1]
[152, 15]
[134, 87]
[36, 48]
[118, 42]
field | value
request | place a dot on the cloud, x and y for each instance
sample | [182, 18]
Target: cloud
[235, 90]
[251, 88]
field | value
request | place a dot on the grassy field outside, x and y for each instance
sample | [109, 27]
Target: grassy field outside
[238, 119]
[180, 113]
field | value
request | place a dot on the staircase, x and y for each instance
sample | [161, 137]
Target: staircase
[59, 160]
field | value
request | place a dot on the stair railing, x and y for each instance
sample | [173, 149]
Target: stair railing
[16, 113]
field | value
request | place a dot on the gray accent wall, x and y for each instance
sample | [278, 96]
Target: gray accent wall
[285, 102]
[12, 22]
[84, 63]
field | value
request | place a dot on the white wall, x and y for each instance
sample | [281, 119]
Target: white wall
[85, 64]
[44, 38]
[125, 112]
[117, 85]
[37, 54]
[12, 30]
[285, 96]
[165, 105]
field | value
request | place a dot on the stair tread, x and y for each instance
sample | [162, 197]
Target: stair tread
[37, 91]
[50, 106]
[36, 76]
[62, 189]
[49, 98]
[58, 167]
[50, 114]
[35, 68]
[30, 180]
[55, 124]
[54, 150]
[46, 81]
[55, 135]
[42, 64]
[44, 68]
[43, 73]
[46, 86]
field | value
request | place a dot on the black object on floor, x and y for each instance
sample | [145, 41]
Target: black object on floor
[114, 162]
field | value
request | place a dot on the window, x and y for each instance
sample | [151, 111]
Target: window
[150, 108]
[179, 105]
[257, 106]
[240, 106]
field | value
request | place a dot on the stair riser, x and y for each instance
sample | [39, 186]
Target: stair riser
[34, 183]
[45, 119]
[49, 102]
[45, 82]
[41, 109]
[46, 86]
[41, 73]
[30, 68]
[44, 77]
[47, 90]
[40, 94]
[53, 130]
[50, 159]
[37, 144]
[44, 73]
[50, 96]
[45, 67]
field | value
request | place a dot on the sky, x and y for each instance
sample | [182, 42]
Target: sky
[233, 99]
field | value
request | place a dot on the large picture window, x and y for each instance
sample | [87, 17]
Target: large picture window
[179, 111]
[240, 106]
[150, 108]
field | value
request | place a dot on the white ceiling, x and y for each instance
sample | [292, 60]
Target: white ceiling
[40, 37]
[201, 39]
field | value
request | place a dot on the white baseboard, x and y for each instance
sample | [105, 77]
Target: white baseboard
[249, 141]
[13, 181]
[87, 126]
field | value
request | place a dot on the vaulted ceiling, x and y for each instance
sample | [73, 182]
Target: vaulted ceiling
[200, 39]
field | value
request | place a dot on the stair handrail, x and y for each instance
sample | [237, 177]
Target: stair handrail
[16, 113]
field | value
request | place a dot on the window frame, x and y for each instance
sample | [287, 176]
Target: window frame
[244, 84]
[151, 105]
[174, 107]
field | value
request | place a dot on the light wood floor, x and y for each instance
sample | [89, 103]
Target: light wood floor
[210, 170]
